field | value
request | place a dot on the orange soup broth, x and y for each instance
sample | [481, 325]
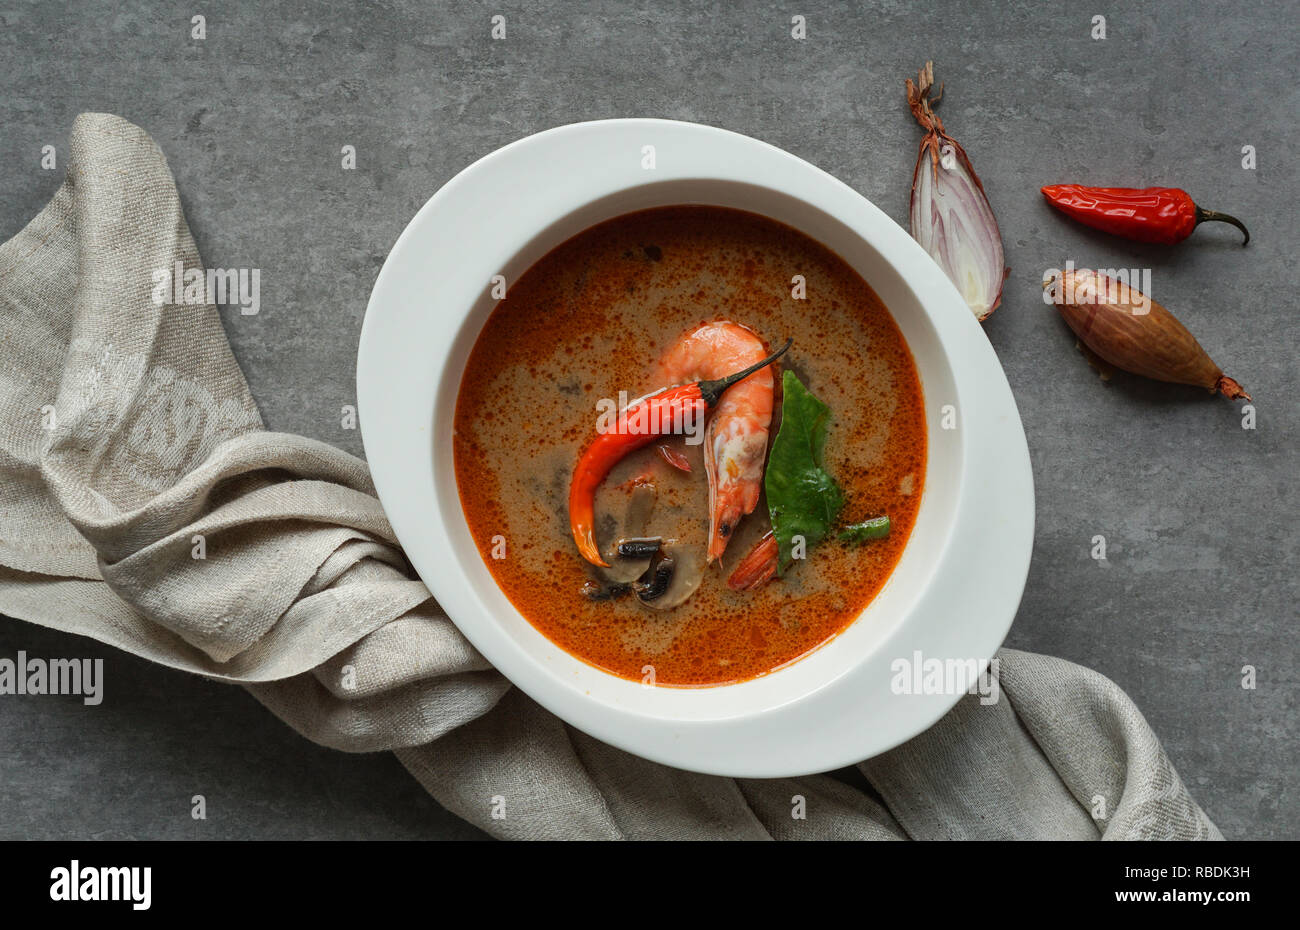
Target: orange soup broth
[587, 321]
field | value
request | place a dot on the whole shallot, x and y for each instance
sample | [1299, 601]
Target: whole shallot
[951, 217]
[1126, 328]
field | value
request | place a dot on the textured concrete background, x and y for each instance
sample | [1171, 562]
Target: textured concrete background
[1199, 514]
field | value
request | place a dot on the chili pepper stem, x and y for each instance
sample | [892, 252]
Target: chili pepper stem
[712, 391]
[1208, 216]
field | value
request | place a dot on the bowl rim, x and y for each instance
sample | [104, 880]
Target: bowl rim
[398, 393]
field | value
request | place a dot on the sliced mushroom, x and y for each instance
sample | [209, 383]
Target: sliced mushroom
[654, 583]
[629, 559]
[628, 563]
[639, 508]
[673, 578]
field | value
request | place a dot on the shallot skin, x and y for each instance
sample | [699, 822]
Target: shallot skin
[1136, 334]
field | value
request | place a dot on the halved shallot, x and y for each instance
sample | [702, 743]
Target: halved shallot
[951, 216]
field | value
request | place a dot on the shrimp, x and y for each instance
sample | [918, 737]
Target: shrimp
[735, 442]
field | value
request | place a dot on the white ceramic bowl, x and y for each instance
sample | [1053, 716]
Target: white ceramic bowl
[953, 593]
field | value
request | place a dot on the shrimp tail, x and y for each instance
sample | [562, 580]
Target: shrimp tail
[758, 567]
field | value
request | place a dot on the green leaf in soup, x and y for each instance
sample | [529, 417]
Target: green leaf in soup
[875, 528]
[802, 498]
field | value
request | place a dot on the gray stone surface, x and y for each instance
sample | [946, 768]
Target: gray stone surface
[1199, 514]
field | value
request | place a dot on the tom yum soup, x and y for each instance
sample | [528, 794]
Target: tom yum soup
[690, 445]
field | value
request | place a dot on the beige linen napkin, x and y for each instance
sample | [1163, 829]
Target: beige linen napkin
[127, 433]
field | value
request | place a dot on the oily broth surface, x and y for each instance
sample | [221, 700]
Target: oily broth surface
[586, 322]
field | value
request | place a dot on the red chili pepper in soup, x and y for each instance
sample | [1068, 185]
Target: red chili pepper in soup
[1165, 215]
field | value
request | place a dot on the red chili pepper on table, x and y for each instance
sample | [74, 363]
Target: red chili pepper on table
[659, 414]
[1152, 214]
